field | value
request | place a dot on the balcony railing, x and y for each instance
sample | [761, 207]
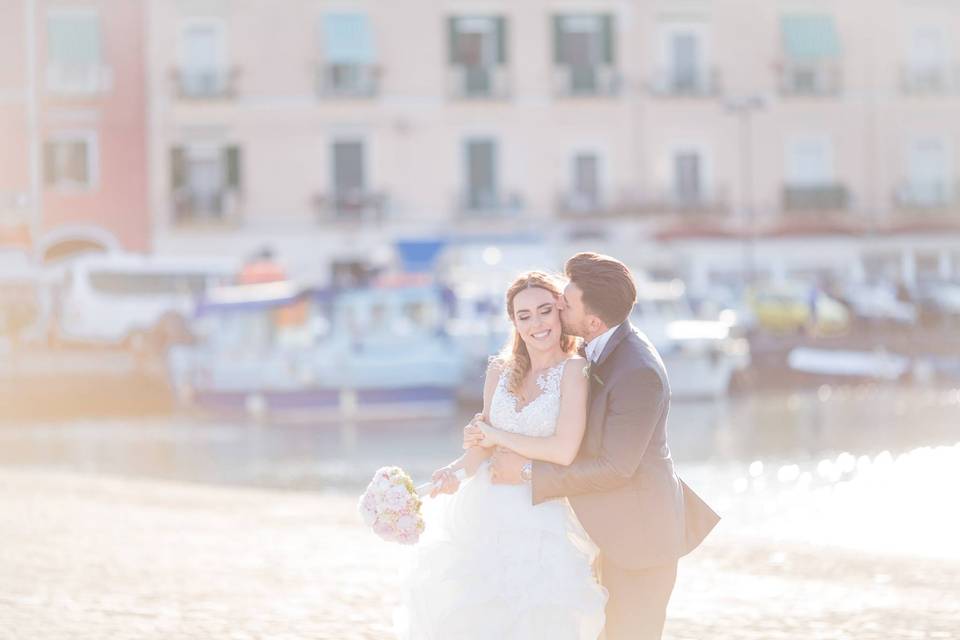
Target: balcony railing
[826, 197]
[932, 196]
[479, 82]
[348, 80]
[78, 80]
[712, 203]
[586, 81]
[355, 206]
[486, 204]
[943, 80]
[216, 206]
[823, 79]
[700, 83]
[206, 84]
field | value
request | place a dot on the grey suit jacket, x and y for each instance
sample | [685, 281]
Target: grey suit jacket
[622, 484]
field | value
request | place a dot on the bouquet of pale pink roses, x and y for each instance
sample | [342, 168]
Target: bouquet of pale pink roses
[391, 505]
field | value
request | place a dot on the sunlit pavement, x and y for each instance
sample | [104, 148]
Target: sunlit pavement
[89, 557]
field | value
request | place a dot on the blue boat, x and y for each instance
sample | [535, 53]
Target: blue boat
[288, 351]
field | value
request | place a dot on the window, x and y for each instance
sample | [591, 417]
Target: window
[349, 55]
[812, 55]
[928, 60]
[206, 181]
[481, 158]
[685, 69]
[120, 283]
[203, 70]
[586, 181]
[809, 161]
[349, 179]
[70, 161]
[929, 182]
[810, 182]
[584, 52]
[74, 51]
[478, 50]
[687, 177]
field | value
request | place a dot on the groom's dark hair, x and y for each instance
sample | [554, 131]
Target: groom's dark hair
[608, 288]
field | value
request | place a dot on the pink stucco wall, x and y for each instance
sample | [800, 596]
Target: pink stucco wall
[117, 202]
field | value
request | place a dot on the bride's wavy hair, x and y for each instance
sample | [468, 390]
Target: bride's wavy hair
[514, 359]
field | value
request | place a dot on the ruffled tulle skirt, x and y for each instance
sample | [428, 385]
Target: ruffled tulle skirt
[491, 565]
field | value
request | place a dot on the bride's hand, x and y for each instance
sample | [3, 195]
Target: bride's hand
[479, 434]
[444, 481]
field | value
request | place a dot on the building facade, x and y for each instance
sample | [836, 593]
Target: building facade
[332, 128]
[74, 119]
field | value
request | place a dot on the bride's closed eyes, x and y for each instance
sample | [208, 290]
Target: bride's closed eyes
[544, 310]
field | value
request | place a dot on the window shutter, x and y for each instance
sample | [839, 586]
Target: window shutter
[178, 168]
[49, 164]
[452, 40]
[558, 57]
[233, 167]
[501, 39]
[608, 38]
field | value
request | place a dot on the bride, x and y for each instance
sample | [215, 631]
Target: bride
[490, 564]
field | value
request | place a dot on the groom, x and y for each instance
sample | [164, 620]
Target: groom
[622, 484]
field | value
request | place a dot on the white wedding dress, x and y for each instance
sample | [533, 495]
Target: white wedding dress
[490, 565]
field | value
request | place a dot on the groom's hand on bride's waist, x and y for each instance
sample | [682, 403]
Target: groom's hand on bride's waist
[506, 467]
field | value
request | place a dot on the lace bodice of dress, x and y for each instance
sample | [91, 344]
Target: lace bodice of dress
[539, 417]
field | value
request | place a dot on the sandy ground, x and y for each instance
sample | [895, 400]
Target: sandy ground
[94, 558]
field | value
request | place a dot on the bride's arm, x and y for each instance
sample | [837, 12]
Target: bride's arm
[561, 447]
[471, 459]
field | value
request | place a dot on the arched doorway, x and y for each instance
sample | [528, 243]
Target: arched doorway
[70, 242]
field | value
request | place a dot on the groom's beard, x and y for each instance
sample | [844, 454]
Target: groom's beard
[570, 329]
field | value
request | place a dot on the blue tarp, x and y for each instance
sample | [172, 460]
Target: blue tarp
[419, 256]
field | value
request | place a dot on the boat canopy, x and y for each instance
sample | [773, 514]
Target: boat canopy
[251, 297]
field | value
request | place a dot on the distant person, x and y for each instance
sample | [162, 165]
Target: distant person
[813, 297]
[506, 556]
[262, 268]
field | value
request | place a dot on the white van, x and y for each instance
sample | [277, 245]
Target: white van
[118, 298]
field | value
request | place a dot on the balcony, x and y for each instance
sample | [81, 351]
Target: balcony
[206, 84]
[826, 197]
[478, 82]
[193, 207]
[700, 83]
[348, 80]
[934, 81]
[78, 80]
[578, 206]
[933, 197]
[481, 204]
[355, 207]
[814, 80]
[586, 81]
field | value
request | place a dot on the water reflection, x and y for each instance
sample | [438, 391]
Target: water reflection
[788, 430]
[894, 503]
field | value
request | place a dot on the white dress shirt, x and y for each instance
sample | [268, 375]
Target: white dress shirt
[595, 347]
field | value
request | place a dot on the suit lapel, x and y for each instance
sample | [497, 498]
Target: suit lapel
[594, 387]
[622, 332]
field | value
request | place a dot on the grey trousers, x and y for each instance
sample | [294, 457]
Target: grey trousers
[637, 604]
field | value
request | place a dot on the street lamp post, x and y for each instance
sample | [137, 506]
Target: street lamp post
[743, 108]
